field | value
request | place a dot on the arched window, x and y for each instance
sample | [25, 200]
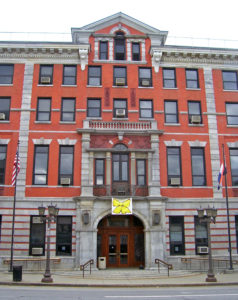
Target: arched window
[119, 46]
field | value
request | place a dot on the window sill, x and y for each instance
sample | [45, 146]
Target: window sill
[42, 122]
[69, 85]
[193, 89]
[146, 119]
[172, 124]
[94, 118]
[4, 121]
[230, 91]
[120, 86]
[94, 86]
[196, 125]
[67, 123]
[49, 85]
[6, 84]
[145, 87]
[120, 119]
[167, 88]
[232, 126]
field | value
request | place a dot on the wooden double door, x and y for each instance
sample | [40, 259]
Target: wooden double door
[123, 246]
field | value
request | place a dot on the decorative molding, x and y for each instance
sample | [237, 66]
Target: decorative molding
[67, 142]
[41, 141]
[156, 58]
[4, 141]
[83, 55]
[232, 145]
[197, 143]
[173, 143]
[119, 27]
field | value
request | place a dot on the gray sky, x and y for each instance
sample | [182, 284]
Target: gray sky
[202, 18]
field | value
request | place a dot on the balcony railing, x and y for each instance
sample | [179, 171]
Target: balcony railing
[120, 125]
[119, 189]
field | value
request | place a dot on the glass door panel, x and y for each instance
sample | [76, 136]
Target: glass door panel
[112, 249]
[123, 249]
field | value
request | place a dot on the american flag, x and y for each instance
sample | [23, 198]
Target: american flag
[16, 168]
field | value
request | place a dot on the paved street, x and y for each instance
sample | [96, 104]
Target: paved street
[60, 293]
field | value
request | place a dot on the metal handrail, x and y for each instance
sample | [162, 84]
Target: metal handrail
[83, 267]
[160, 261]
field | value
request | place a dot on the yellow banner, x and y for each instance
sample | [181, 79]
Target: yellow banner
[121, 206]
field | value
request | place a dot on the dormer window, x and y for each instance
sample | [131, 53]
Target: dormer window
[120, 49]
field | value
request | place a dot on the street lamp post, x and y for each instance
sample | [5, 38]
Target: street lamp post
[207, 216]
[52, 214]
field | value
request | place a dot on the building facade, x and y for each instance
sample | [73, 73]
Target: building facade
[117, 115]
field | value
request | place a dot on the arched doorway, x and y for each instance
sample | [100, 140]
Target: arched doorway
[121, 240]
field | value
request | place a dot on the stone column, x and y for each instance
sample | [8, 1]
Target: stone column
[108, 172]
[86, 181]
[154, 165]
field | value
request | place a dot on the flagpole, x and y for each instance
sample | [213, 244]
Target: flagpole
[227, 210]
[14, 210]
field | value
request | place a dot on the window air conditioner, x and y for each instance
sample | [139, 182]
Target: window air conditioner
[45, 79]
[196, 119]
[37, 251]
[120, 81]
[120, 112]
[65, 181]
[2, 116]
[145, 82]
[175, 181]
[202, 250]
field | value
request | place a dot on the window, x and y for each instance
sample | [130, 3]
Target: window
[70, 74]
[66, 165]
[146, 109]
[192, 79]
[94, 76]
[40, 174]
[68, 109]
[5, 108]
[194, 112]
[198, 167]
[230, 81]
[200, 234]
[171, 111]
[234, 165]
[64, 235]
[169, 78]
[37, 236]
[43, 109]
[6, 74]
[99, 171]
[119, 47]
[3, 155]
[120, 167]
[94, 108]
[174, 166]
[141, 171]
[120, 108]
[136, 51]
[0, 226]
[176, 234]
[145, 77]
[119, 76]
[46, 74]
[103, 50]
[232, 113]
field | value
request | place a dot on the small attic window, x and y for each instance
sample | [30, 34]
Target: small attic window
[119, 46]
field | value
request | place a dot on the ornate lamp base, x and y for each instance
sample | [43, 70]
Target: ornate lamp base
[47, 279]
[211, 278]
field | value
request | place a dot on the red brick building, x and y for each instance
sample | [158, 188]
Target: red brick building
[117, 114]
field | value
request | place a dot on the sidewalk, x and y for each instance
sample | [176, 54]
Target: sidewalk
[97, 279]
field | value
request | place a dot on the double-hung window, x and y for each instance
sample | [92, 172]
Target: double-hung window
[120, 108]
[6, 74]
[136, 51]
[176, 234]
[230, 80]
[146, 109]
[232, 113]
[3, 155]
[119, 76]
[5, 108]
[145, 77]
[103, 50]
[66, 165]
[68, 110]
[174, 166]
[198, 167]
[99, 171]
[64, 236]
[201, 237]
[37, 236]
[194, 112]
[70, 75]
[94, 76]
[234, 165]
[94, 108]
[119, 46]
[43, 109]
[192, 79]
[46, 74]
[40, 173]
[171, 111]
[169, 78]
[141, 172]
